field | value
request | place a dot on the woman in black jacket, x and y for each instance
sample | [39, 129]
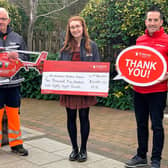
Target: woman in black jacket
[78, 47]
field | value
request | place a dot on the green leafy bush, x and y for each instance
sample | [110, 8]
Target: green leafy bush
[120, 96]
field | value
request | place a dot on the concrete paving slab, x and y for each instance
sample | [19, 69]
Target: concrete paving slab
[19, 164]
[64, 164]
[29, 133]
[47, 144]
[7, 157]
[62, 150]
[106, 163]
[64, 153]
[40, 157]
[48, 153]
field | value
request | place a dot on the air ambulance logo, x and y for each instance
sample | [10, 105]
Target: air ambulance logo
[140, 65]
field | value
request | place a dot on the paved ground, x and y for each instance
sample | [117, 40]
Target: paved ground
[48, 153]
[112, 138]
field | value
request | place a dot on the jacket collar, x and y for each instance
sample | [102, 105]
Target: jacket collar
[7, 32]
[155, 34]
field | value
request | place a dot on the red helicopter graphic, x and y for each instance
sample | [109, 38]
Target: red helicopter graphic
[8, 68]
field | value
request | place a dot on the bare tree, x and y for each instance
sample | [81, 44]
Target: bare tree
[31, 8]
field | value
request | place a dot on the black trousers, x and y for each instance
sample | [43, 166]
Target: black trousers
[150, 105]
[10, 97]
[84, 126]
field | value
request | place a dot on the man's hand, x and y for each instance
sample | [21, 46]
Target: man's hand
[164, 78]
[13, 55]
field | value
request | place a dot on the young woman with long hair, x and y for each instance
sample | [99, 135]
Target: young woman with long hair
[78, 47]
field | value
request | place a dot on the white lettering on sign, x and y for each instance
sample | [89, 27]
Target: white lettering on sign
[141, 64]
[140, 68]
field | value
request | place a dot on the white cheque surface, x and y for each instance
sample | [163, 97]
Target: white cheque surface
[75, 81]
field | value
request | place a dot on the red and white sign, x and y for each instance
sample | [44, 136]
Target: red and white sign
[75, 78]
[140, 65]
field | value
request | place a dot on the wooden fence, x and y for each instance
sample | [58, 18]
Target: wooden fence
[48, 41]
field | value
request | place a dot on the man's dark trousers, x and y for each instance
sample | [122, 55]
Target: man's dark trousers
[150, 105]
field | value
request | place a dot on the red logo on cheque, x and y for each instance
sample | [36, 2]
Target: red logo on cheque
[140, 65]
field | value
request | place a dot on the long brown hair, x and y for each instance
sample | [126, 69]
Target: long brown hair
[69, 43]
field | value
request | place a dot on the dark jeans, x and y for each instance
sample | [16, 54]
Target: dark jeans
[84, 126]
[153, 105]
[10, 97]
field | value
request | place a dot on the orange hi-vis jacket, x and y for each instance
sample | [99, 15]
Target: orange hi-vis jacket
[14, 132]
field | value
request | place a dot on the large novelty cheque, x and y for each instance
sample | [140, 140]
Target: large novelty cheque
[140, 65]
[75, 78]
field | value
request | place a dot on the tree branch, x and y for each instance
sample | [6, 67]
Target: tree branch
[58, 10]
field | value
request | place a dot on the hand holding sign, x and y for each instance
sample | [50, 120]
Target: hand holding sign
[141, 66]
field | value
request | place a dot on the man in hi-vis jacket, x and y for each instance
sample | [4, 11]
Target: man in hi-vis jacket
[10, 91]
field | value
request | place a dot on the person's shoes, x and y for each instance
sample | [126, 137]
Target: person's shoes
[20, 150]
[155, 164]
[74, 155]
[82, 156]
[136, 161]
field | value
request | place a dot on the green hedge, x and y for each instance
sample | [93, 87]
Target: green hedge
[120, 96]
